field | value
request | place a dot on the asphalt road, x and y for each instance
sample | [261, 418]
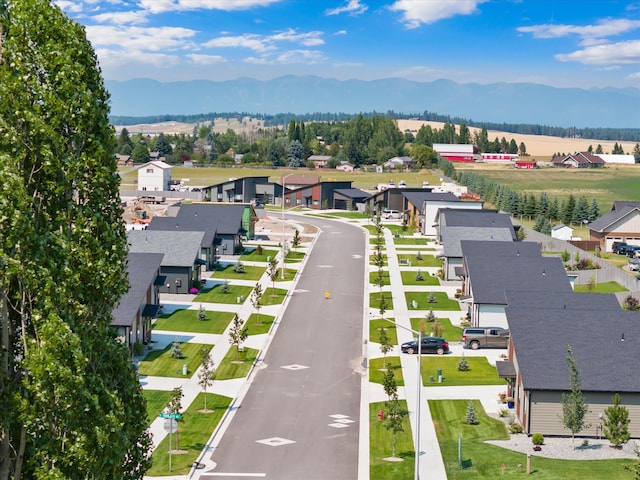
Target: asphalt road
[300, 418]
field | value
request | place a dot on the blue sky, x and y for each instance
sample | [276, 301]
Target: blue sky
[563, 43]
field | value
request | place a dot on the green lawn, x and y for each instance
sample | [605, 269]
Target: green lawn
[156, 401]
[390, 329]
[259, 324]
[376, 372]
[250, 273]
[486, 460]
[605, 287]
[348, 215]
[289, 274]
[253, 256]
[409, 278]
[400, 229]
[374, 241]
[236, 364]
[372, 259]
[442, 301]
[372, 230]
[160, 363]
[215, 295]
[412, 241]
[193, 433]
[479, 373]
[187, 321]
[273, 296]
[294, 256]
[427, 260]
[450, 332]
[374, 300]
[374, 275]
[380, 447]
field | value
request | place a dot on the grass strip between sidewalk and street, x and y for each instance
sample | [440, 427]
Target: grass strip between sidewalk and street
[236, 364]
[160, 363]
[380, 447]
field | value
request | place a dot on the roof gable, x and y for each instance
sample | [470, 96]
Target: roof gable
[180, 249]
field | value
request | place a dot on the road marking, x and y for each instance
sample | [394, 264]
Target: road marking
[222, 474]
[275, 441]
[294, 367]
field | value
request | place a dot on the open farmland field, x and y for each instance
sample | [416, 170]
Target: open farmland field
[604, 184]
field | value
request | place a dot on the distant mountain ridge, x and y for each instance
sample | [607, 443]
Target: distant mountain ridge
[497, 102]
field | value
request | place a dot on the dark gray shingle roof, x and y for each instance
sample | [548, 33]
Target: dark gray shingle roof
[418, 198]
[474, 248]
[453, 217]
[490, 277]
[352, 192]
[606, 363]
[224, 218]
[180, 249]
[601, 224]
[452, 236]
[562, 300]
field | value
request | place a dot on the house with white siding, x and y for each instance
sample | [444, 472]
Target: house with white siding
[154, 176]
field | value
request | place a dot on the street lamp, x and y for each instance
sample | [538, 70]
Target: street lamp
[416, 473]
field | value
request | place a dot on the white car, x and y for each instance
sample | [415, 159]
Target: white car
[634, 266]
[389, 214]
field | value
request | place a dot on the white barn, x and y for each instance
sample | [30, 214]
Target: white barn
[623, 159]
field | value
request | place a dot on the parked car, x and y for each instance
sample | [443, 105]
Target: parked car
[634, 266]
[630, 250]
[389, 214]
[615, 246]
[429, 345]
[492, 337]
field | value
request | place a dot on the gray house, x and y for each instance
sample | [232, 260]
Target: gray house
[464, 217]
[605, 347]
[488, 278]
[181, 262]
[243, 190]
[136, 310]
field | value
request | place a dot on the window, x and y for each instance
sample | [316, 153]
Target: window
[149, 170]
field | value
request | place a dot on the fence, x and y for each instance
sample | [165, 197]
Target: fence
[169, 195]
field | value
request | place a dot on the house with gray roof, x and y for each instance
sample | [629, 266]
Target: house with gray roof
[136, 310]
[181, 262]
[392, 198]
[452, 250]
[317, 196]
[604, 343]
[487, 278]
[464, 217]
[243, 190]
[436, 201]
[224, 226]
[620, 224]
[349, 199]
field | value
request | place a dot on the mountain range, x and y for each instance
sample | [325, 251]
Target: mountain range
[512, 103]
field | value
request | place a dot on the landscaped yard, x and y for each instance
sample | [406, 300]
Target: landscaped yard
[374, 275]
[480, 372]
[374, 300]
[258, 326]
[216, 295]
[236, 364]
[380, 447]
[160, 363]
[253, 255]
[273, 296]
[442, 302]
[409, 278]
[193, 433]
[449, 332]
[412, 241]
[426, 261]
[396, 229]
[389, 327]
[289, 274]
[376, 370]
[372, 259]
[605, 287]
[484, 461]
[357, 215]
[156, 401]
[187, 321]
[228, 272]
[294, 256]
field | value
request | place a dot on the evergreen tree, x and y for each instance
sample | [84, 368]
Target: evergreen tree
[574, 408]
[634, 467]
[569, 207]
[616, 422]
[295, 154]
[594, 210]
[581, 211]
[471, 417]
[71, 399]
[125, 145]
[162, 146]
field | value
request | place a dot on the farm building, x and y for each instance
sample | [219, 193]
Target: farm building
[499, 157]
[621, 159]
[154, 176]
[456, 152]
[526, 163]
[579, 160]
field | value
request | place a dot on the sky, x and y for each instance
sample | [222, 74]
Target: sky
[562, 43]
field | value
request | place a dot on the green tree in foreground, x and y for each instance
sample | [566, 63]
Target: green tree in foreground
[207, 372]
[393, 419]
[574, 408]
[616, 422]
[634, 467]
[72, 406]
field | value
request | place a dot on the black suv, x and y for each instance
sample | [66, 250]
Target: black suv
[616, 247]
[429, 345]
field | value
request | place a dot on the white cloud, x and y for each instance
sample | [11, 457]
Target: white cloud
[634, 76]
[604, 28]
[418, 12]
[340, 32]
[353, 7]
[122, 17]
[307, 57]
[161, 6]
[110, 58]
[140, 39]
[307, 39]
[265, 43]
[620, 53]
[68, 6]
[206, 59]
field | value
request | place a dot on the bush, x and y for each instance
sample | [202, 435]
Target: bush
[138, 349]
[463, 365]
[259, 250]
[238, 268]
[537, 439]
[419, 256]
[515, 427]
[503, 413]
[419, 276]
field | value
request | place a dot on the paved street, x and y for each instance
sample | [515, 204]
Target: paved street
[300, 417]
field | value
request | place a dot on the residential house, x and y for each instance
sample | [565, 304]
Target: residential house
[136, 310]
[224, 226]
[604, 345]
[319, 161]
[456, 152]
[243, 190]
[451, 237]
[154, 176]
[620, 224]
[349, 199]
[526, 163]
[181, 262]
[578, 160]
[345, 166]
[392, 198]
[562, 232]
[318, 196]
[487, 278]
[293, 181]
[433, 202]
[399, 163]
[472, 218]
[123, 160]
